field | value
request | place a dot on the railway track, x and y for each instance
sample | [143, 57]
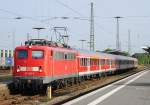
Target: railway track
[19, 100]
[62, 95]
[72, 92]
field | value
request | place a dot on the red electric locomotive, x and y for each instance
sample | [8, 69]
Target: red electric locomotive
[40, 62]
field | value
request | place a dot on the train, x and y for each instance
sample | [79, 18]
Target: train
[6, 58]
[41, 63]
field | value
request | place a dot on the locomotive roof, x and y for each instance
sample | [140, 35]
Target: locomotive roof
[46, 47]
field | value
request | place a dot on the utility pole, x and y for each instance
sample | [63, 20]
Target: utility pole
[82, 41]
[129, 42]
[92, 44]
[117, 35]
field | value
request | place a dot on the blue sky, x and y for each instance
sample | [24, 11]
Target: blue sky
[136, 15]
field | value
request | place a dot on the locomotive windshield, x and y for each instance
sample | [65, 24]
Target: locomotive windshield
[37, 54]
[22, 54]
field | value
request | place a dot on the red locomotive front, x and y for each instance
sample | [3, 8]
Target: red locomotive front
[32, 64]
[38, 64]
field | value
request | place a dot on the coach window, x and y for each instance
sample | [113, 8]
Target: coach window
[22, 54]
[96, 62]
[107, 61]
[120, 62]
[91, 62]
[37, 54]
[115, 62]
[61, 55]
[125, 61]
[102, 62]
[85, 61]
[58, 55]
[65, 56]
[55, 55]
[72, 56]
[80, 61]
[110, 62]
[69, 56]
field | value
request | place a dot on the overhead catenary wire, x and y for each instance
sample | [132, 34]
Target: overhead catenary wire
[18, 16]
[68, 7]
[81, 17]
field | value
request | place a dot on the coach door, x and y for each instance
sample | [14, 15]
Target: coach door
[88, 64]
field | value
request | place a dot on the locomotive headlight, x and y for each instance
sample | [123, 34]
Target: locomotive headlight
[40, 69]
[30, 46]
[18, 70]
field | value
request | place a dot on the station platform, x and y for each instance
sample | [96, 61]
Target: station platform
[133, 90]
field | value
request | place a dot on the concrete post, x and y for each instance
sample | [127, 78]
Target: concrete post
[49, 92]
